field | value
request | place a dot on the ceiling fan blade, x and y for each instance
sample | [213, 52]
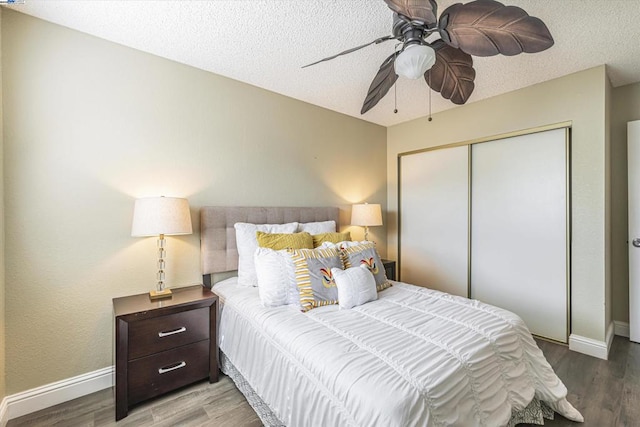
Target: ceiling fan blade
[353, 49]
[487, 28]
[382, 82]
[452, 75]
[425, 11]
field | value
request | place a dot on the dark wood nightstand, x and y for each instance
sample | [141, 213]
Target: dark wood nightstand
[162, 345]
[389, 268]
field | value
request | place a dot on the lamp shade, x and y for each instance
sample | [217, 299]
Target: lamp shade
[153, 216]
[414, 61]
[366, 214]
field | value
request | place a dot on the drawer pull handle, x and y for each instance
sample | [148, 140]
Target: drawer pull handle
[175, 331]
[173, 368]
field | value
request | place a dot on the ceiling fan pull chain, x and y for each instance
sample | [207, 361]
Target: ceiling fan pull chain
[395, 96]
[429, 88]
[395, 86]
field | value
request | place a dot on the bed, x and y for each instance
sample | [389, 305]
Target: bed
[413, 357]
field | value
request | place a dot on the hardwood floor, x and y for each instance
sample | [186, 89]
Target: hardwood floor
[606, 392]
[202, 404]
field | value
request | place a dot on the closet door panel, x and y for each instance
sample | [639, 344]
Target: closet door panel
[519, 228]
[633, 162]
[434, 207]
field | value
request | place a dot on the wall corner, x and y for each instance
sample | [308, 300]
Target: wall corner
[2, 239]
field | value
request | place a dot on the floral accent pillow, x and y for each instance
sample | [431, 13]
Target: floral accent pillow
[365, 253]
[314, 279]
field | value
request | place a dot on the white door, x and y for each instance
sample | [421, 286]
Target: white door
[434, 218]
[519, 229]
[633, 159]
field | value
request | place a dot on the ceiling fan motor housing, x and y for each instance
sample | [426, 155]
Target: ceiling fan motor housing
[410, 32]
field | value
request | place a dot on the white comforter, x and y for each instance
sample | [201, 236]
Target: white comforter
[414, 357]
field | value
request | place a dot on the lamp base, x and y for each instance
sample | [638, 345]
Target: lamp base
[165, 293]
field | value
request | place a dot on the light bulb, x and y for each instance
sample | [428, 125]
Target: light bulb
[414, 61]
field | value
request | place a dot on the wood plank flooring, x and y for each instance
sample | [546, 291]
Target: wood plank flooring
[202, 404]
[607, 393]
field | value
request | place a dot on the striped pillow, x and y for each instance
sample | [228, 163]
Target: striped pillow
[314, 279]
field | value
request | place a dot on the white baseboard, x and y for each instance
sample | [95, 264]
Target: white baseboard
[33, 400]
[3, 412]
[609, 337]
[621, 328]
[591, 347]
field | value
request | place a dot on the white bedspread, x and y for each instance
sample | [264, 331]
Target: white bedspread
[414, 357]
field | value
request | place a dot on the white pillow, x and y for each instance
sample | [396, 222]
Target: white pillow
[317, 227]
[356, 286]
[247, 245]
[289, 268]
[276, 278]
[272, 283]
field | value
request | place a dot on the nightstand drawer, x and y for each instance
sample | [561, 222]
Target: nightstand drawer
[153, 375]
[165, 332]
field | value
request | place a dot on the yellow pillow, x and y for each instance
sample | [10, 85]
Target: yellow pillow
[319, 239]
[277, 241]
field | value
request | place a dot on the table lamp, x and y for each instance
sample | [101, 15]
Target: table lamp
[160, 216]
[366, 215]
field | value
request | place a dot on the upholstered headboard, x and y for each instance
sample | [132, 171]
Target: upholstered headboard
[218, 249]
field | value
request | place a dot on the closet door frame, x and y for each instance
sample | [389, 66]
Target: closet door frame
[566, 125]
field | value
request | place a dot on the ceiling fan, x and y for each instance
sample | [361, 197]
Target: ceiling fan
[441, 49]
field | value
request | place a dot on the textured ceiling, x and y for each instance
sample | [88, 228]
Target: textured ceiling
[264, 43]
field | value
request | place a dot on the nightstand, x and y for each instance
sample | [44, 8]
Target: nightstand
[389, 268]
[162, 345]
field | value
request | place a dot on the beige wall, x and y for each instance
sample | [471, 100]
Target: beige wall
[625, 108]
[2, 285]
[579, 98]
[90, 126]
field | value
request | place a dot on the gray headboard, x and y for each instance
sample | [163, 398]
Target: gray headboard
[218, 249]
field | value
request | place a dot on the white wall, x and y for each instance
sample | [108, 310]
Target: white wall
[579, 98]
[90, 126]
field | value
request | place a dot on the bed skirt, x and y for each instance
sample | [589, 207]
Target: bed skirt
[263, 411]
[534, 413]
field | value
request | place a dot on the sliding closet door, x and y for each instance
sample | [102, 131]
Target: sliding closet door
[519, 228]
[434, 206]
[633, 162]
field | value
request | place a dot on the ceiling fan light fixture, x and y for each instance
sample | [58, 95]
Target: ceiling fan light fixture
[415, 60]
